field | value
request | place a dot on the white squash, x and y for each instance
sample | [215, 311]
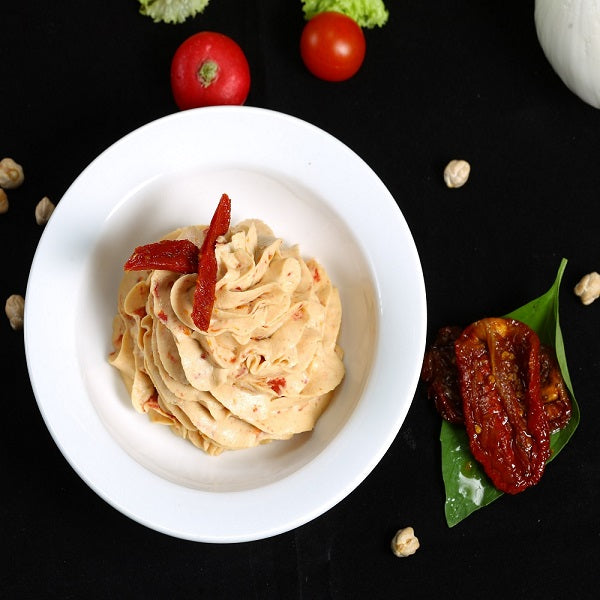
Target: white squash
[569, 34]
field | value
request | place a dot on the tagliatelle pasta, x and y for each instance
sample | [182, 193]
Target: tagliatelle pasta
[265, 369]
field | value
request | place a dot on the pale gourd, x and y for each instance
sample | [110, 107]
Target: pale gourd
[569, 34]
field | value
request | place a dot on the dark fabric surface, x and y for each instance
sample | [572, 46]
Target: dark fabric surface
[442, 80]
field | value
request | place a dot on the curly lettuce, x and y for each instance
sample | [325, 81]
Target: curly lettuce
[367, 13]
[171, 11]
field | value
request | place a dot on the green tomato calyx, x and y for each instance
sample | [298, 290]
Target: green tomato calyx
[207, 73]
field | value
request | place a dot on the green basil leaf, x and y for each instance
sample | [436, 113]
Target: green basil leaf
[467, 486]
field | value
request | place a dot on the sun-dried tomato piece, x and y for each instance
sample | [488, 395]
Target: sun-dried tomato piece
[204, 294]
[440, 373]
[179, 256]
[498, 362]
[555, 398]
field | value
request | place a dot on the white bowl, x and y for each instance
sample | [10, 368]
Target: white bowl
[311, 190]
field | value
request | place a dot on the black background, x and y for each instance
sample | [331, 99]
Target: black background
[442, 80]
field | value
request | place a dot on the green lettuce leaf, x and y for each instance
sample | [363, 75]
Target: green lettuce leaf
[367, 13]
[467, 486]
[171, 11]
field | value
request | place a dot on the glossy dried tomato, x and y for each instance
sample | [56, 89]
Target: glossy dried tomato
[179, 256]
[498, 362]
[440, 374]
[204, 294]
[555, 398]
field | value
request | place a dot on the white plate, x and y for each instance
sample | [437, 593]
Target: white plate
[312, 190]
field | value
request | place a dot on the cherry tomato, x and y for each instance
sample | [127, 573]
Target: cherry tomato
[208, 69]
[332, 46]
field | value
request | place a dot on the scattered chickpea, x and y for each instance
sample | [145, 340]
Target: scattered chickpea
[3, 202]
[43, 211]
[11, 174]
[588, 288]
[405, 543]
[456, 173]
[15, 309]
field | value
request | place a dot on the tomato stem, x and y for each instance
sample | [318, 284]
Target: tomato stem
[207, 72]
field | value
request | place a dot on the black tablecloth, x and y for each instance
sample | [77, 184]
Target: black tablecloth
[441, 80]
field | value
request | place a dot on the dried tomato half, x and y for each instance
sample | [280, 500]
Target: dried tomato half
[555, 398]
[204, 294]
[180, 256]
[440, 374]
[498, 362]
